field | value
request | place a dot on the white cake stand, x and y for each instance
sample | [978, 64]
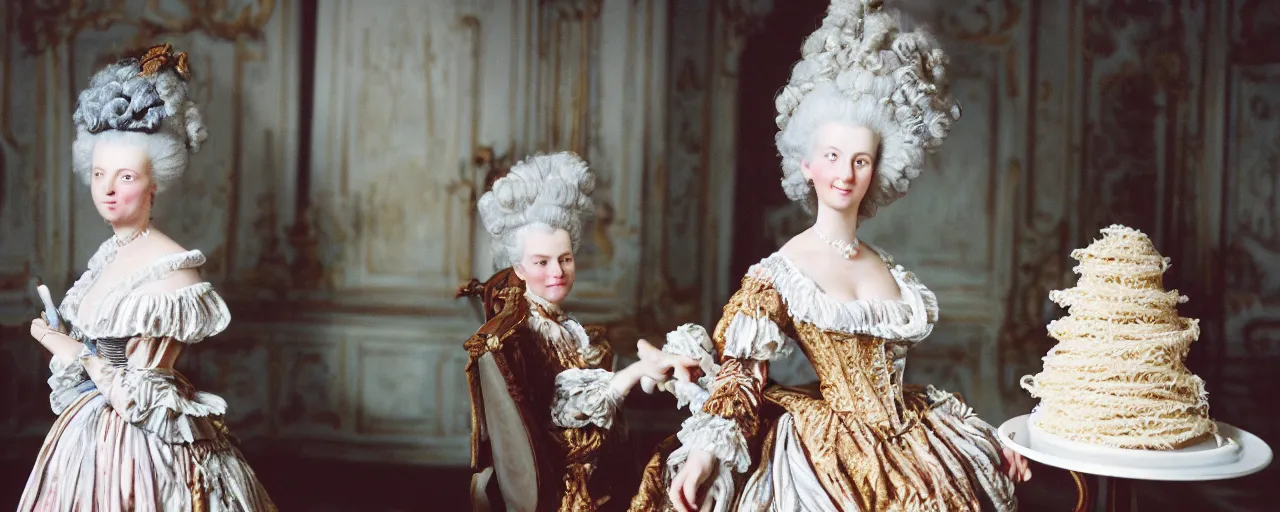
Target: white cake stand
[1116, 468]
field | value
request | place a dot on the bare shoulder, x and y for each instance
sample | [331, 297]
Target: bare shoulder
[159, 246]
[873, 273]
[800, 249]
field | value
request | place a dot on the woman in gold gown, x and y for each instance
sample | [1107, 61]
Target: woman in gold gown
[862, 108]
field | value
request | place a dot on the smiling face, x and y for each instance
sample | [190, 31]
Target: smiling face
[121, 183]
[841, 164]
[546, 264]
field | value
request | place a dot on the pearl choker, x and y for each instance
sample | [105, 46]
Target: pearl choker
[847, 250]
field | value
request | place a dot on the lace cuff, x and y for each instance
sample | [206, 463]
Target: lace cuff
[720, 493]
[584, 397]
[717, 435]
[158, 403]
[689, 393]
[755, 337]
[692, 341]
[65, 381]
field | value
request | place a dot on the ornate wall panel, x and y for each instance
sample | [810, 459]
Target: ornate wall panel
[1044, 189]
[1246, 267]
[395, 101]
[685, 260]
[622, 137]
[731, 23]
[956, 227]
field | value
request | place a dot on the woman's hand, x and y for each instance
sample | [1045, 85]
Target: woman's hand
[660, 366]
[40, 329]
[62, 326]
[1014, 465]
[686, 484]
[58, 344]
[654, 364]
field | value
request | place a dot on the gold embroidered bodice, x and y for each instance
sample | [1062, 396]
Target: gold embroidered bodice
[857, 349]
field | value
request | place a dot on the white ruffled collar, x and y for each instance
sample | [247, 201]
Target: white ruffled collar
[909, 318]
[188, 314]
[561, 330]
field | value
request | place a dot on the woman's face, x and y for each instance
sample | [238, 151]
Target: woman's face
[841, 164]
[547, 266]
[121, 182]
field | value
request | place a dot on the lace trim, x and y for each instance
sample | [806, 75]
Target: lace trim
[719, 494]
[909, 319]
[157, 405]
[717, 435]
[70, 307]
[584, 397]
[563, 332]
[189, 314]
[692, 341]
[553, 311]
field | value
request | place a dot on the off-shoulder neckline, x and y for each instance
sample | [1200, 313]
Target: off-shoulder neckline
[118, 291]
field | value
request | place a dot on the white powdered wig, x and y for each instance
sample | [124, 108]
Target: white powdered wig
[542, 192]
[866, 67]
[150, 110]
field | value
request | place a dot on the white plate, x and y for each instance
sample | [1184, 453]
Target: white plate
[1254, 456]
[1205, 453]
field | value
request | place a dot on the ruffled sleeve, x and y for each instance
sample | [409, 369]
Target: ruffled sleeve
[750, 332]
[66, 381]
[188, 315]
[584, 397]
[693, 342]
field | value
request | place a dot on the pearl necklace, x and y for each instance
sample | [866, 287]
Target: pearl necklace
[121, 242]
[847, 250]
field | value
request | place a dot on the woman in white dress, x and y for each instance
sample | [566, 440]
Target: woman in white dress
[132, 433]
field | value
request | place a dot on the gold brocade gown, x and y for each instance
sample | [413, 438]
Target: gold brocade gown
[861, 440]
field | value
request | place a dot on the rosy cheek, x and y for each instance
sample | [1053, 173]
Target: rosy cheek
[822, 177]
[129, 197]
[816, 170]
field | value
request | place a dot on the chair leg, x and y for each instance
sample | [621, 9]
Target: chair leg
[1082, 492]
